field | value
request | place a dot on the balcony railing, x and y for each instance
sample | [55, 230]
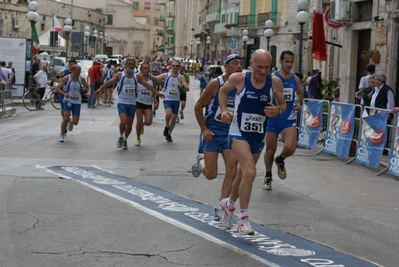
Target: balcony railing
[248, 21]
[212, 18]
[273, 16]
[219, 28]
[161, 18]
[162, 2]
[170, 30]
[364, 11]
[171, 14]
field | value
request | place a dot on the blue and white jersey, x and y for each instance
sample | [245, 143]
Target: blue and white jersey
[73, 89]
[127, 89]
[171, 88]
[107, 75]
[289, 94]
[212, 112]
[144, 96]
[249, 119]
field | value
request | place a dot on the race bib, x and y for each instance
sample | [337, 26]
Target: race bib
[173, 92]
[288, 94]
[145, 92]
[128, 89]
[74, 96]
[218, 114]
[252, 123]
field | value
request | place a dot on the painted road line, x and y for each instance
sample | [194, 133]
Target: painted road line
[269, 246]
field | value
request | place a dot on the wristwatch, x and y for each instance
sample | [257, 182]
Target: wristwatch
[279, 111]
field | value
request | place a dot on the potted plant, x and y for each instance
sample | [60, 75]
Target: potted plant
[374, 54]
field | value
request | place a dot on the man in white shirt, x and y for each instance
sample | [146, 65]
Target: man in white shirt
[8, 75]
[41, 79]
[364, 82]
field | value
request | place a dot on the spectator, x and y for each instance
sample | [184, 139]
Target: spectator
[336, 94]
[9, 66]
[311, 84]
[364, 83]
[368, 91]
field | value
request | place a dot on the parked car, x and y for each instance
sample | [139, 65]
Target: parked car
[59, 63]
[101, 57]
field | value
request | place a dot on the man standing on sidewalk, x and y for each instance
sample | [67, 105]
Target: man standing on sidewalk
[94, 73]
[284, 124]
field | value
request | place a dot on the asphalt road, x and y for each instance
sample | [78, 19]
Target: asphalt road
[47, 221]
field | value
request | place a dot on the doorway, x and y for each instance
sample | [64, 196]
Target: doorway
[364, 37]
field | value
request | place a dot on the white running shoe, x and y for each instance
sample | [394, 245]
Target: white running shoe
[196, 168]
[70, 125]
[217, 216]
[61, 138]
[244, 227]
[227, 215]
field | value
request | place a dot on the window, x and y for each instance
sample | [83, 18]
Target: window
[147, 5]
[156, 21]
[110, 19]
[156, 6]
[42, 26]
[135, 5]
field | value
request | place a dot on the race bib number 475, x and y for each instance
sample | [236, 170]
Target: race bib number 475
[252, 123]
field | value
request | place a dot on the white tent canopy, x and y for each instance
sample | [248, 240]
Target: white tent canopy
[44, 39]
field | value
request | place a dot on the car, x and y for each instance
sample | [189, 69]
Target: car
[58, 63]
[101, 57]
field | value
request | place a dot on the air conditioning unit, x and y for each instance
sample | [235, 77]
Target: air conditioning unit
[339, 10]
[15, 23]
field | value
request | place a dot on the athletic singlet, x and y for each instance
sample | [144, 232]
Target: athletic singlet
[144, 96]
[127, 89]
[171, 88]
[289, 94]
[249, 119]
[73, 89]
[212, 111]
[108, 75]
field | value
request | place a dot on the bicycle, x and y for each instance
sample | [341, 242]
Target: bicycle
[31, 99]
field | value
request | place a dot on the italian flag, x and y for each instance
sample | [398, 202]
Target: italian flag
[56, 24]
[35, 42]
[319, 46]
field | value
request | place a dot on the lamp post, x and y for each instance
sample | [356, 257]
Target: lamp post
[185, 49]
[67, 30]
[208, 42]
[95, 35]
[245, 40]
[180, 45]
[191, 50]
[87, 34]
[101, 40]
[302, 17]
[268, 33]
[33, 17]
[198, 42]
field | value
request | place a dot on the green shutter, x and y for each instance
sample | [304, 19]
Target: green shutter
[135, 5]
[252, 14]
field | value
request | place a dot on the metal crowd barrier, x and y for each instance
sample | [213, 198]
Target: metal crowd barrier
[7, 107]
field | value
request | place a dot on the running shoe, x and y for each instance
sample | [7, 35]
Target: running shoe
[177, 120]
[166, 131]
[267, 183]
[196, 168]
[119, 142]
[70, 125]
[282, 173]
[124, 145]
[169, 138]
[137, 143]
[61, 138]
[227, 214]
[217, 216]
[244, 227]
[142, 130]
[154, 113]
[98, 104]
[181, 115]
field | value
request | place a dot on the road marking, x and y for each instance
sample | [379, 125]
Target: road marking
[269, 246]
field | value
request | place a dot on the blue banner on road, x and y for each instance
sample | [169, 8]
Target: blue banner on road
[267, 245]
[311, 123]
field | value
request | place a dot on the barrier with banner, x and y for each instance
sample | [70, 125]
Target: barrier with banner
[393, 166]
[311, 122]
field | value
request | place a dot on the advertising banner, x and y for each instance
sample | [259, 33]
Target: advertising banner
[393, 166]
[311, 123]
[340, 128]
[372, 139]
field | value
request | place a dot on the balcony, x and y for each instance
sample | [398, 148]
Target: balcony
[161, 48]
[170, 30]
[273, 16]
[171, 14]
[212, 18]
[160, 32]
[162, 2]
[161, 18]
[233, 32]
[220, 28]
[248, 21]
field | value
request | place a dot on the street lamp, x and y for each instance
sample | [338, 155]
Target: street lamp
[198, 42]
[101, 39]
[180, 45]
[95, 35]
[268, 33]
[33, 17]
[191, 50]
[245, 40]
[87, 34]
[208, 42]
[302, 17]
[67, 30]
[185, 49]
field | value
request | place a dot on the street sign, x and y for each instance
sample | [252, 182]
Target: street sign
[327, 18]
[334, 35]
[233, 43]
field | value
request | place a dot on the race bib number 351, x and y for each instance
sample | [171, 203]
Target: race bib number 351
[252, 123]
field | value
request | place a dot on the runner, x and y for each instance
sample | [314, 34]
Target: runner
[127, 90]
[214, 132]
[173, 80]
[183, 93]
[69, 87]
[247, 130]
[284, 124]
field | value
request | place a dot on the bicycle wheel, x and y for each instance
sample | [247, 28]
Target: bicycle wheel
[55, 100]
[31, 101]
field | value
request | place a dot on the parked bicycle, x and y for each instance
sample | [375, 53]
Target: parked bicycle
[31, 99]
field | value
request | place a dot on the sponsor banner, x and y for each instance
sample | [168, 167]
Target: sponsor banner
[311, 123]
[372, 139]
[340, 128]
[393, 166]
[267, 245]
